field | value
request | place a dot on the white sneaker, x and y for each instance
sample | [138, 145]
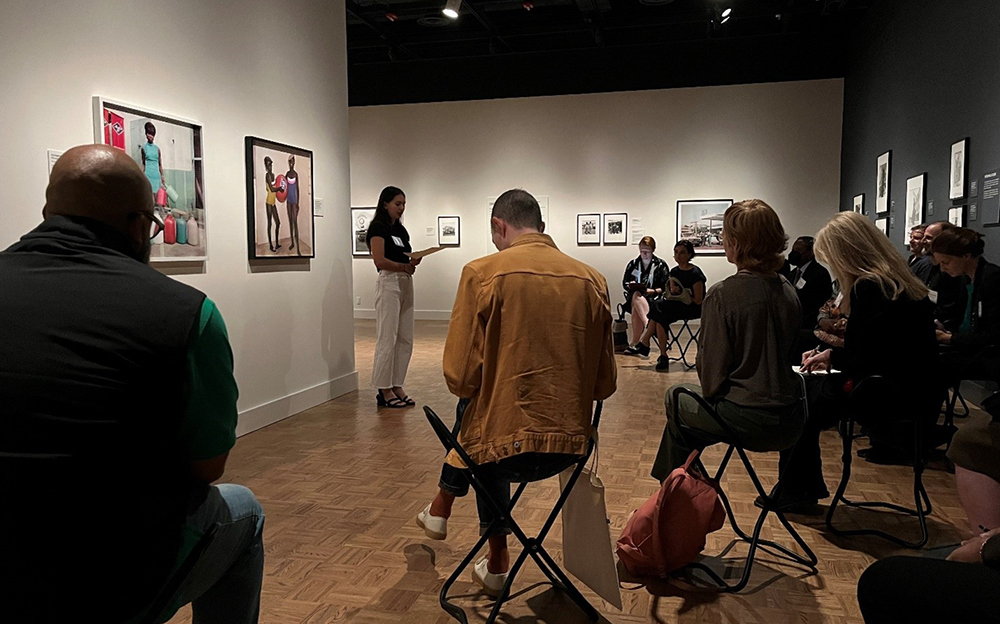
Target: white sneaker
[434, 526]
[491, 583]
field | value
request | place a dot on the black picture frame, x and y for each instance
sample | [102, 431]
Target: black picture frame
[255, 188]
[583, 219]
[441, 234]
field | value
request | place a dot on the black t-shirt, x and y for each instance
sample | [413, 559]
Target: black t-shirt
[397, 240]
[688, 278]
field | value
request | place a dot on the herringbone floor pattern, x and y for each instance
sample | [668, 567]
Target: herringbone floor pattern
[341, 484]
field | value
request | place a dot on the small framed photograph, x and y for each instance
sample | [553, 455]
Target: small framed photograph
[914, 202]
[280, 215]
[882, 183]
[959, 168]
[361, 218]
[449, 232]
[614, 230]
[168, 149]
[700, 222]
[882, 225]
[588, 229]
[956, 215]
[859, 203]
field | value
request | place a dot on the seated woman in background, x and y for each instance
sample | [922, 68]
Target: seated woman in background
[889, 332]
[685, 292]
[645, 279]
[959, 253]
[749, 323]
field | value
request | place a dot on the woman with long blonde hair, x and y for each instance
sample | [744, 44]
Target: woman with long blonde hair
[890, 332]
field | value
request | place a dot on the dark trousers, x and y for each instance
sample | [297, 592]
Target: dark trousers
[916, 590]
[801, 466]
[758, 429]
[496, 477]
[667, 311]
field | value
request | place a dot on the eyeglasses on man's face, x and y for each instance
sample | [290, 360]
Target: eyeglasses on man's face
[155, 225]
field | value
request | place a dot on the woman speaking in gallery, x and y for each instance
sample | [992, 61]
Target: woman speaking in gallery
[389, 242]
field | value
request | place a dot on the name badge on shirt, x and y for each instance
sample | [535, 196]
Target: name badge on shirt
[799, 285]
[932, 295]
[398, 241]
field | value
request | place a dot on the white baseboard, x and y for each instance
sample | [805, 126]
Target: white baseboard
[420, 315]
[280, 409]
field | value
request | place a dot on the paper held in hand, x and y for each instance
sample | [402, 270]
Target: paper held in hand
[417, 255]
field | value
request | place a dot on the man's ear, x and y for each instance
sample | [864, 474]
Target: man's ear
[498, 226]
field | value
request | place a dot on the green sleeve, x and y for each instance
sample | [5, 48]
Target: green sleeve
[209, 427]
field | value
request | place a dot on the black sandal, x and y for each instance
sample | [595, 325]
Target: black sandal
[396, 402]
[410, 402]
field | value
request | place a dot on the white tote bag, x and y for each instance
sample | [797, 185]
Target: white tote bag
[588, 551]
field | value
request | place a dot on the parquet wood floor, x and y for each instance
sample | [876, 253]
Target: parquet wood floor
[341, 484]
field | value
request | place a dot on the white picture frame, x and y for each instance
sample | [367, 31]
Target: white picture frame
[958, 167]
[614, 228]
[956, 216]
[588, 228]
[883, 182]
[882, 225]
[914, 202]
[859, 203]
[449, 231]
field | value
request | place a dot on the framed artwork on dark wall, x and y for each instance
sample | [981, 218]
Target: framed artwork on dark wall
[914, 202]
[882, 182]
[700, 222]
[956, 215]
[959, 167]
[859, 203]
[169, 151]
[280, 210]
[361, 218]
[614, 231]
[449, 232]
[882, 225]
[588, 229]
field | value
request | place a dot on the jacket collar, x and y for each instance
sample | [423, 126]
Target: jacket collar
[534, 239]
[76, 233]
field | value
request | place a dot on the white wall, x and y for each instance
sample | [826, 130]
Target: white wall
[636, 152]
[270, 68]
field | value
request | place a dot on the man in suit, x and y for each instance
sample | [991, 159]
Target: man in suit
[811, 280]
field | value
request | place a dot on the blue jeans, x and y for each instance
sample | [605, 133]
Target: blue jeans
[224, 585]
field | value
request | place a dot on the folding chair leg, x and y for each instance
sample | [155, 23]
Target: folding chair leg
[455, 611]
[568, 586]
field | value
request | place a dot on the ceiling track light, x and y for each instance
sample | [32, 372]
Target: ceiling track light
[451, 8]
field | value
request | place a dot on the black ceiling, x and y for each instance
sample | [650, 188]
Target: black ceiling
[407, 51]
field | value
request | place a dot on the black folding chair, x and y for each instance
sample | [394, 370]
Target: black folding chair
[877, 397]
[531, 546]
[677, 337]
[767, 499]
[169, 590]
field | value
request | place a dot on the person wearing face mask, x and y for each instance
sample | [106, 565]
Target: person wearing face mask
[811, 281]
[644, 281]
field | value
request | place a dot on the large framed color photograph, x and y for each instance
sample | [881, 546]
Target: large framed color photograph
[280, 215]
[700, 221]
[169, 151]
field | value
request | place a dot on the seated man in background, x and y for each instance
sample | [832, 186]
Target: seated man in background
[119, 410]
[916, 244]
[530, 369]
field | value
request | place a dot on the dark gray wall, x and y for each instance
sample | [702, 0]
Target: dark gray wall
[926, 74]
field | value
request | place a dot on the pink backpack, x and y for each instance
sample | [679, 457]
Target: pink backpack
[669, 530]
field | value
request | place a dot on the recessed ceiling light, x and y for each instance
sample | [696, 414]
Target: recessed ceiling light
[451, 8]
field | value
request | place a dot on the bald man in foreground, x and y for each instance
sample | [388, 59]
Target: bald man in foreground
[117, 412]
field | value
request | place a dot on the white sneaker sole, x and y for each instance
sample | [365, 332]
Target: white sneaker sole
[431, 534]
[489, 591]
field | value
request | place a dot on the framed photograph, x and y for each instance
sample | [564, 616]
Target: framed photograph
[914, 202]
[280, 215]
[449, 232]
[959, 168]
[169, 151]
[882, 183]
[859, 203]
[360, 219]
[956, 215]
[700, 221]
[615, 228]
[882, 225]
[588, 229]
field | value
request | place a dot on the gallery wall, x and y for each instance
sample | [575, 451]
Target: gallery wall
[634, 152]
[925, 76]
[275, 69]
